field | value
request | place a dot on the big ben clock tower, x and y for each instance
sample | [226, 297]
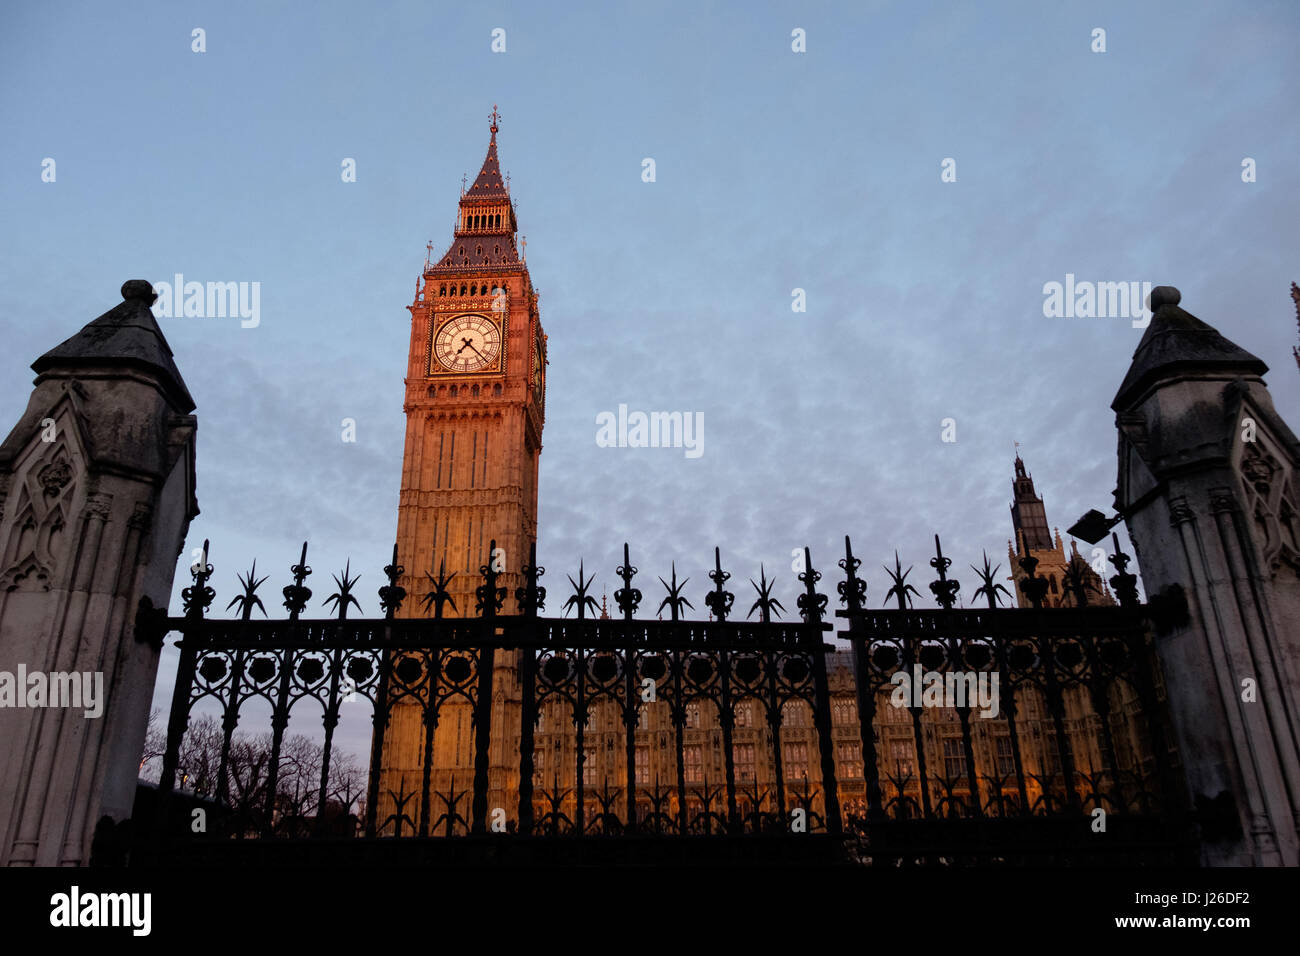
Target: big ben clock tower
[475, 405]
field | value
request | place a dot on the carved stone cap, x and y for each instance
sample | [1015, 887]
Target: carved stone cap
[1176, 342]
[126, 335]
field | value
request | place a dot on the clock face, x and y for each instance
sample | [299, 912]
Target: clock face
[468, 343]
[538, 361]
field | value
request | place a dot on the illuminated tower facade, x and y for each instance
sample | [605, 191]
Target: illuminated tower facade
[475, 406]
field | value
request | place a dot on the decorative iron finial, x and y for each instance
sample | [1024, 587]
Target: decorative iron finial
[811, 604]
[344, 596]
[198, 596]
[852, 590]
[248, 599]
[945, 591]
[901, 589]
[296, 595]
[1124, 583]
[392, 594]
[765, 603]
[718, 600]
[990, 588]
[1076, 577]
[1033, 584]
[580, 596]
[532, 596]
[674, 600]
[627, 597]
[463, 179]
[495, 119]
[439, 596]
[489, 596]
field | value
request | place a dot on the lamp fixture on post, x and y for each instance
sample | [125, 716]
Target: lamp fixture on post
[1093, 526]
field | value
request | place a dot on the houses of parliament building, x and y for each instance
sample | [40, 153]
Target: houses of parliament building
[475, 406]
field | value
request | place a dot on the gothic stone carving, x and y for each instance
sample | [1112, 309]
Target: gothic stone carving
[1270, 499]
[54, 477]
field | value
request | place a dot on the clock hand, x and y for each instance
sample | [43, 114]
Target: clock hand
[462, 348]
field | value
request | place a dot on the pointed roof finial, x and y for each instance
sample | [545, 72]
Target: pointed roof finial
[489, 184]
[1295, 296]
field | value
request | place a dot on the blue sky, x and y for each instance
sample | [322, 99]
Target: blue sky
[775, 171]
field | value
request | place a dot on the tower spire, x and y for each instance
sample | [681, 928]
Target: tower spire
[1028, 515]
[489, 183]
[1295, 297]
[486, 226]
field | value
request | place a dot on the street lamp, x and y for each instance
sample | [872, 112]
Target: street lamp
[1093, 526]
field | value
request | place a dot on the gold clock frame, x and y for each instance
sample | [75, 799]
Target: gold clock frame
[538, 371]
[439, 319]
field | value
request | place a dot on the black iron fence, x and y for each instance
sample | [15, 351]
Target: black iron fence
[1054, 747]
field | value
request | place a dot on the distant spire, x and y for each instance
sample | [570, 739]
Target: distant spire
[1295, 297]
[1028, 515]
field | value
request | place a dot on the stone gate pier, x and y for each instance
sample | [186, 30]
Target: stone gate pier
[1208, 475]
[96, 496]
